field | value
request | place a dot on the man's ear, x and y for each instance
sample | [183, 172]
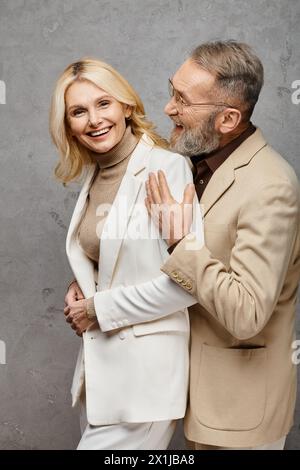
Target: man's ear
[228, 120]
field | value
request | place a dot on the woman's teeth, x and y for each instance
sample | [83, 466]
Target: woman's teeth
[100, 132]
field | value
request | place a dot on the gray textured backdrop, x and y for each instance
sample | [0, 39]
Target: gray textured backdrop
[146, 40]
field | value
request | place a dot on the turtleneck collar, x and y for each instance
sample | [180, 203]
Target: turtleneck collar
[119, 152]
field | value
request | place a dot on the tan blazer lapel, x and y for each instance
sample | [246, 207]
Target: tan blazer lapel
[116, 224]
[224, 177]
[221, 180]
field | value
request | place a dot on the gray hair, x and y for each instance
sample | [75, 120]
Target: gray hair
[238, 72]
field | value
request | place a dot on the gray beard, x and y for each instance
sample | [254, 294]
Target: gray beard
[200, 139]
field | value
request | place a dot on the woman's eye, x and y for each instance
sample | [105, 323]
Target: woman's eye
[78, 112]
[103, 104]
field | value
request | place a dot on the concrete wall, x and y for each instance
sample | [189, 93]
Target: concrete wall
[145, 40]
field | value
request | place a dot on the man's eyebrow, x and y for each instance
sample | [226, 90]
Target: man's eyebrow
[181, 93]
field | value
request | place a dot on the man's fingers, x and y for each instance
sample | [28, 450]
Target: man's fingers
[149, 197]
[148, 206]
[189, 193]
[154, 189]
[163, 186]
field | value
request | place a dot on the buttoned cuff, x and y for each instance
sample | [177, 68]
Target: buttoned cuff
[179, 266]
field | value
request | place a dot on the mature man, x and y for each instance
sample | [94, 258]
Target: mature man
[245, 277]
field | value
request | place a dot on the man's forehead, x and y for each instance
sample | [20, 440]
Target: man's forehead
[190, 78]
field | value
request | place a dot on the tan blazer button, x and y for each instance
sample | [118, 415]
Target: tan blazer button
[189, 286]
[175, 274]
[179, 279]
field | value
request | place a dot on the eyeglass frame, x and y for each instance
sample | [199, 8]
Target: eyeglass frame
[182, 104]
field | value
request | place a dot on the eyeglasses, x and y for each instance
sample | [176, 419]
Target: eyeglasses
[181, 104]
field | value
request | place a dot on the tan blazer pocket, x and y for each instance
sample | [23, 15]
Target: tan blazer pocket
[231, 389]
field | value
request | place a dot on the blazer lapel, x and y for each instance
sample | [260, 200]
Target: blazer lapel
[224, 177]
[116, 224]
[81, 265]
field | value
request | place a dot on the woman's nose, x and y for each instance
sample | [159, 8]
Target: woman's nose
[94, 118]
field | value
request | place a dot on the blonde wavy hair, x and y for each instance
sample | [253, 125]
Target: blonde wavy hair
[73, 155]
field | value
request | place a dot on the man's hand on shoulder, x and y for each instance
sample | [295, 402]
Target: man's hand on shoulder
[174, 219]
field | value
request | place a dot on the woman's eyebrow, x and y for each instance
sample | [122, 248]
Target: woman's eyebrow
[83, 106]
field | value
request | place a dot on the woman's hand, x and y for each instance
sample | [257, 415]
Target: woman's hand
[74, 293]
[76, 315]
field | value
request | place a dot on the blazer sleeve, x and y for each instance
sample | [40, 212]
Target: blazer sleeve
[243, 297]
[159, 297]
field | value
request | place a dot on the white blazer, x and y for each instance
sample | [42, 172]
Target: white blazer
[135, 366]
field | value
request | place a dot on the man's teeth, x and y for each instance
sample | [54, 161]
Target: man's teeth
[101, 132]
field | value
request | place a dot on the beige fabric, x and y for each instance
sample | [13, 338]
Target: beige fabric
[245, 278]
[112, 166]
[277, 445]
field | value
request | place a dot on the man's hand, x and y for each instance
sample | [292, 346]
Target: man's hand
[173, 219]
[76, 315]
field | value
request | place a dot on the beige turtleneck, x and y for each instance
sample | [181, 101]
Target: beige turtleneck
[112, 167]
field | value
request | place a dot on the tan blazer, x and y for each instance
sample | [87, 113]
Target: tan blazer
[245, 278]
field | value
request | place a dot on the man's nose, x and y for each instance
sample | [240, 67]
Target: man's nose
[171, 108]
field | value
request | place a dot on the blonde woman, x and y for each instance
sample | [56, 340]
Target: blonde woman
[131, 375]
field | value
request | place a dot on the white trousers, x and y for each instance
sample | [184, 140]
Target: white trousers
[125, 436]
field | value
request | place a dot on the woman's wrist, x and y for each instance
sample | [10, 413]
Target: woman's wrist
[90, 309]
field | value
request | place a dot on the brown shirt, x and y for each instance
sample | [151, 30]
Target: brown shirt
[204, 165]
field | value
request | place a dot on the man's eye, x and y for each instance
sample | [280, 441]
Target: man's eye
[182, 100]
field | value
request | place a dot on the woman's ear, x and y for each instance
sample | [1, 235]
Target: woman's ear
[128, 111]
